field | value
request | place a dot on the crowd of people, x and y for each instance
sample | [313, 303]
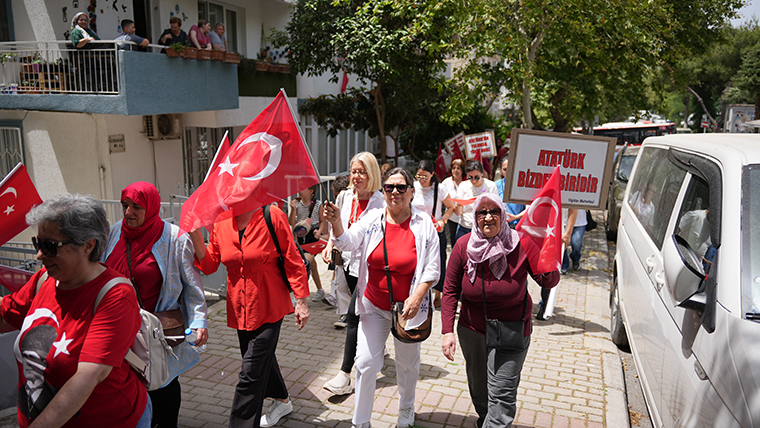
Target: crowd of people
[385, 241]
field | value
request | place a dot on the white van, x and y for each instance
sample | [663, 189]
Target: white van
[686, 287]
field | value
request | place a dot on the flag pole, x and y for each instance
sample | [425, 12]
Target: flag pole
[303, 140]
[10, 174]
[218, 150]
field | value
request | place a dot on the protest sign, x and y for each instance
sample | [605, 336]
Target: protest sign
[485, 143]
[458, 141]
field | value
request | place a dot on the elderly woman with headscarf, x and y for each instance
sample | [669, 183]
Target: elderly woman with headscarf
[161, 264]
[81, 33]
[72, 371]
[488, 271]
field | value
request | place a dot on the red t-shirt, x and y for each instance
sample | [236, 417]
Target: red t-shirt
[402, 260]
[60, 330]
[148, 281]
[357, 209]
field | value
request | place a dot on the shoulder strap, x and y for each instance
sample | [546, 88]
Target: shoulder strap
[387, 268]
[435, 197]
[106, 288]
[42, 279]
[281, 257]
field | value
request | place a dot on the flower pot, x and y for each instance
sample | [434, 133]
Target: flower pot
[32, 68]
[204, 55]
[217, 55]
[190, 53]
[28, 90]
[262, 66]
[231, 58]
[172, 53]
[283, 68]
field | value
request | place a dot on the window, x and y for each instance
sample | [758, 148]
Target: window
[6, 21]
[219, 12]
[750, 240]
[654, 191]
[200, 145]
[332, 154]
[11, 149]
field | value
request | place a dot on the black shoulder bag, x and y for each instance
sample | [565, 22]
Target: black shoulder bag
[398, 323]
[281, 256]
[505, 336]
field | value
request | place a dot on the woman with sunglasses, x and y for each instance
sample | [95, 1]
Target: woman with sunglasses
[477, 184]
[407, 238]
[362, 196]
[160, 263]
[429, 194]
[72, 371]
[488, 271]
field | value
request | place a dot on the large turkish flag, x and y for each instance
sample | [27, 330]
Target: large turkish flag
[17, 196]
[542, 225]
[268, 162]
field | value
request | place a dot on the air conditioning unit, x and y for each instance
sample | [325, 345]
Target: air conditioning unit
[163, 126]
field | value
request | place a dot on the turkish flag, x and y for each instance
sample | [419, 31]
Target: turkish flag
[17, 196]
[457, 154]
[315, 247]
[478, 157]
[542, 225]
[440, 164]
[344, 82]
[268, 162]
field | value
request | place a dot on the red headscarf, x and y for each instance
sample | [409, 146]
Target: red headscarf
[141, 238]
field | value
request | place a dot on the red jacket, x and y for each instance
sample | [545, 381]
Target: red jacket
[256, 292]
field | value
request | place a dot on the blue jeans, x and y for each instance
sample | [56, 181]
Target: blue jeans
[576, 244]
[461, 231]
[144, 421]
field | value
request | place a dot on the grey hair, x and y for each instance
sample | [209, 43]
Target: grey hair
[80, 217]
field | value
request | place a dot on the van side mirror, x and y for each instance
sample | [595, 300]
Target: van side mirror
[684, 273]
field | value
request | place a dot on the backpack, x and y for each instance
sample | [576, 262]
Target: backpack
[149, 354]
[281, 257]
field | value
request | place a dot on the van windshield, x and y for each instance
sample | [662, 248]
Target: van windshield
[751, 242]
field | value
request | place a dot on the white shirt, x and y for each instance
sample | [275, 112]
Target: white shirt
[452, 186]
[345, 202]
[468, 191]
[423, 199]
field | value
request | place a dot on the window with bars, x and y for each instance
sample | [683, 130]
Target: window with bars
[332, 154]
[11, 149]
[200, 145]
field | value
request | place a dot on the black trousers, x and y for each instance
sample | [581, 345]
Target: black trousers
[166, 402]
[259, 377]
[352, 327]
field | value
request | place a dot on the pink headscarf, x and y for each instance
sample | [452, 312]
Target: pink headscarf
[481, 249]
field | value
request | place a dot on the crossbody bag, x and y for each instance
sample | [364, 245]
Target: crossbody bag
[505, 336]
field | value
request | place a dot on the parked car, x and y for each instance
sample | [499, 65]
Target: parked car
[621, 170]
[686, 284]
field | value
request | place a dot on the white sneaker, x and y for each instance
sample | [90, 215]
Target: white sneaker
[340, 384]
[405, 417]
[362, 425]
[318, 296]
[277, 410]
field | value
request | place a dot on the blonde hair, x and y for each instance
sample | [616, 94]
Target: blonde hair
[374, 178]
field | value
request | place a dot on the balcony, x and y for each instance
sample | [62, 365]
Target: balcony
[53, 76]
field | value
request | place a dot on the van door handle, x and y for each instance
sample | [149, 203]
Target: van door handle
[650, 264]
[659, 280]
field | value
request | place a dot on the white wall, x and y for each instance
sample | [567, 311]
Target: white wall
[47, 20]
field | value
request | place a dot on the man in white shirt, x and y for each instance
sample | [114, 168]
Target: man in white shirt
[475, 185]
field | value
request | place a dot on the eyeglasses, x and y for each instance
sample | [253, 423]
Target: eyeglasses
[474, 177]
[359, 172]
[388, 188]
[49, 248]
[481, 214]
[422, 177]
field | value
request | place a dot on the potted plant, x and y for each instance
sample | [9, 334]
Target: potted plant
[232, 57]
[204, 55]
[217, 55]
[190, 53]
[175, 50]
[29, 87]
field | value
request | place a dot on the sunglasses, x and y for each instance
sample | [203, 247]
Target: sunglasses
[388, 188]
[49, 248]
[422, 177]
[481, 214]
[474, 177]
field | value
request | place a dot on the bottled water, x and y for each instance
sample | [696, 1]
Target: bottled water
[191, 336]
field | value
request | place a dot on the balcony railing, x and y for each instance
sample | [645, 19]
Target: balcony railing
[57, 67]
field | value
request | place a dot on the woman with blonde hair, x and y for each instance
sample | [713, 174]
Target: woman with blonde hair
[363, 195]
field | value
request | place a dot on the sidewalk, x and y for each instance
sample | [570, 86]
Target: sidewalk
[572, 377]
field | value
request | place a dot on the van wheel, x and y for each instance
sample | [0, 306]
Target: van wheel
[617, 329]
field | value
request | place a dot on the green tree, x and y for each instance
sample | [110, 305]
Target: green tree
[748, 77]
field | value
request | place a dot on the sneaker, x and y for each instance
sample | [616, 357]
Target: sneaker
[576, 265]
[405, 418]
[329, 300]
[277, 410]
[318, 296]
[362, 425]
[563, 271]
[341, 323]
[340, 384]
[541, 310]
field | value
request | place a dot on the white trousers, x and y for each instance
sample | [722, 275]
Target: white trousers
[340, 291]
[374, 328]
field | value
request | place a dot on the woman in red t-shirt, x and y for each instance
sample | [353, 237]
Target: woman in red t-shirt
[409, 239]
[72, 370]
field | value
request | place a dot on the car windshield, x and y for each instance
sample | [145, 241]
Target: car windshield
[751, 242]
[626, 164]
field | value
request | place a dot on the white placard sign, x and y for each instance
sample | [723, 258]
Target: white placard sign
[458, 140]
[485, 143]
[585, 164]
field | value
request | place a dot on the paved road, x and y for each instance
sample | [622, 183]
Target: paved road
[572, 377]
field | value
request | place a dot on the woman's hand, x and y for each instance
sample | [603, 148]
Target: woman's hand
[302, 313]
[327, 253]
[411, 307]
[441, 224]
[200, 247]
[317, 234]
[449, 346]
[332, 214]
[202, 336]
